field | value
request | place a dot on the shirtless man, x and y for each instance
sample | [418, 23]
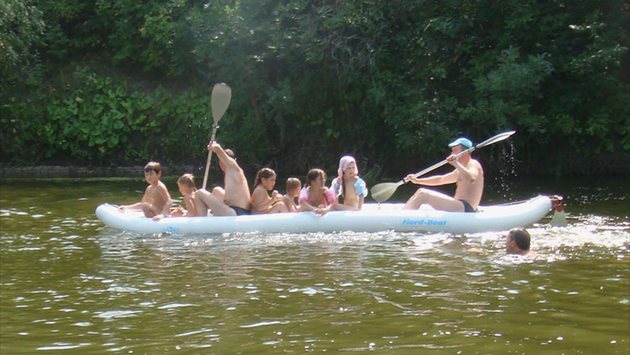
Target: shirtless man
[234, 200]
[156, 202]
[468, 176]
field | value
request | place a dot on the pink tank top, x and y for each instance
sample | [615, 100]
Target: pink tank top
[329, 197]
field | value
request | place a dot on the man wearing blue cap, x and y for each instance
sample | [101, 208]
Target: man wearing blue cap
[468, 176]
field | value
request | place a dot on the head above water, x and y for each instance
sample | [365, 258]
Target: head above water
[465, 142]
[518, 241]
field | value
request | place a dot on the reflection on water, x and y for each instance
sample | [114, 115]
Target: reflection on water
[69, 284]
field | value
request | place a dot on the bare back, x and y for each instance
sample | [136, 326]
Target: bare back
[467, 191]
[236, 188]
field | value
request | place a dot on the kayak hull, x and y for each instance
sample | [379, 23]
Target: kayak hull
[372, 218]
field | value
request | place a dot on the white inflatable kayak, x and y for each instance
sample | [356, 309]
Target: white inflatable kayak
[372, 218]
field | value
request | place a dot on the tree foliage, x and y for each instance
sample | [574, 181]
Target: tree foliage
[111, 83]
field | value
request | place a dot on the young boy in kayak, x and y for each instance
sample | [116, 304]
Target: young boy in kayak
[468, 177]
[293, 193]
[264, 198]
[156, 201]
[316, 197]
[186, 186]
[349, 188]
[234, 200]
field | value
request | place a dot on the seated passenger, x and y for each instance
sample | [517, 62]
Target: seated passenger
[264, 198]
[316, 197]
[186, 186]
[349, 188]
[156, 201]
[467, 177]
[293, 193]
[234, 200]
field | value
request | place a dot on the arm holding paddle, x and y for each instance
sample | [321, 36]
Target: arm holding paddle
[220, 101]
[468, 191]
[382, 192]
[435, 180]
[469, 174]
[223, 156]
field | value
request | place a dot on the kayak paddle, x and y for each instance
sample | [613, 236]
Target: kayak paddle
[382, 192]
[220, 100]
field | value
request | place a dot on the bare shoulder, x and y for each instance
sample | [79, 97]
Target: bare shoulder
[476, 164]
[259, 192]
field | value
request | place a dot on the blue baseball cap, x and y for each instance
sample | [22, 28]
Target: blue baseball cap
[461, 141]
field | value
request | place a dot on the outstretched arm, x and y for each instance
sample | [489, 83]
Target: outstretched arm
[435, 180]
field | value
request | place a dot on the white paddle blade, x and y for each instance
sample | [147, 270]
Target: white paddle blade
[220, 100]
[497, 138]
[382, 192]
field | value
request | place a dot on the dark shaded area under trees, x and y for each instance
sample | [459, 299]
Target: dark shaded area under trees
[114, 83]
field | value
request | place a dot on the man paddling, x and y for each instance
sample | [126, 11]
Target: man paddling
[468, 176]
[234, 200]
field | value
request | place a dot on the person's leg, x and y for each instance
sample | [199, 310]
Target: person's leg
[205, 201]
[148, 210]
[219, 193]
[278, 207]
[435, 199]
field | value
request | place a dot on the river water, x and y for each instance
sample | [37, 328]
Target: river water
[69, 284]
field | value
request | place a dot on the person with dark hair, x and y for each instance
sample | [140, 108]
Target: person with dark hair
[518, 241]
[264, 198]
[156, 201]
[234, 199]
[315, 196]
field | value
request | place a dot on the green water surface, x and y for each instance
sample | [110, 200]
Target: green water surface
[70, 285]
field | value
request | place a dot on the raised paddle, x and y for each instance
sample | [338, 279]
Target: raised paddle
[220, 100]
[382, 192]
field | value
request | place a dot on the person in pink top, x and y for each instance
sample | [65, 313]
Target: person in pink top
[315, 196]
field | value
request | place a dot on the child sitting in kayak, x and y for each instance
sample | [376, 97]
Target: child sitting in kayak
[316, 197]
[186, 186]
[293, 193]
[264, 198]
[349, 188]
[156, 201]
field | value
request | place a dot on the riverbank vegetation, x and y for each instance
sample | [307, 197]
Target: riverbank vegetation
[107, 83]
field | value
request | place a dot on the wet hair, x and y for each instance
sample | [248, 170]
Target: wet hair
[187, 180]
[264, 173]
[153, 166]
[313, 174]
[293, 183]
[521, 237]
